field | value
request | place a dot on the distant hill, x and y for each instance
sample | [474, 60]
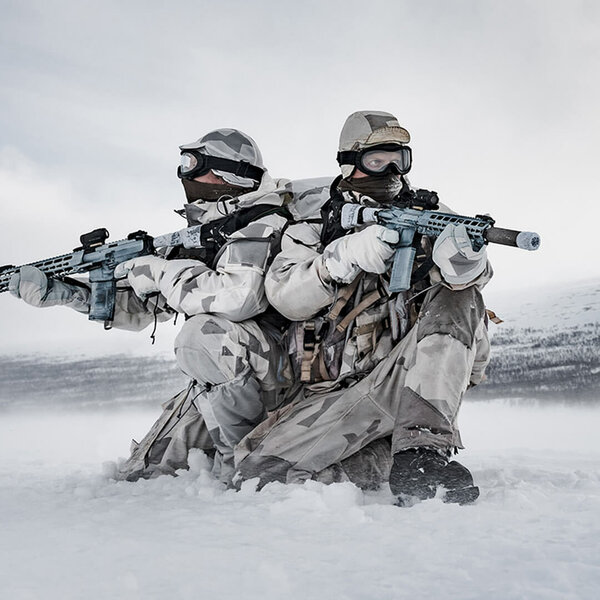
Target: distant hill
[547, 348]
[121, 380]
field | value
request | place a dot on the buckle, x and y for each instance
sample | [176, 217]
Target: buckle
[310, 338]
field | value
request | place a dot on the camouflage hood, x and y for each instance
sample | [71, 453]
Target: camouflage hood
[231, 144]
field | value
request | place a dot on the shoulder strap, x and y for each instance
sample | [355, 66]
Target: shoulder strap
[215, 235]
[331, 213]
[239, 219]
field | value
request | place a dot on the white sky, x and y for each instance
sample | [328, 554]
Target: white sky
[500, 98]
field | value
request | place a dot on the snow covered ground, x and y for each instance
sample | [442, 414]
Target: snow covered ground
[67, 531]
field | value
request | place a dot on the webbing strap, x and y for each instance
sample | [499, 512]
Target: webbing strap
[344, 295]
[493, 317]
[309, 351]
[363, 305]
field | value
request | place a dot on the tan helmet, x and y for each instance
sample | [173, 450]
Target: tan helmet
[366, 128]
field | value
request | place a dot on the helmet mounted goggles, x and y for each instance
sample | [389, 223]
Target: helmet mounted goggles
[378, 160]
[194, 164]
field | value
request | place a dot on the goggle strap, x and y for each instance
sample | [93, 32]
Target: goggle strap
[352, 157]
[240, 168]
[347, 157]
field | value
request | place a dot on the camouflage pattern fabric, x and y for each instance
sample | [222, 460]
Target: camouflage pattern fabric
[399, 376]
[403, 395]
[237, 367]
[34, 287]
[239, 371]
[233, 287]
[232, 144]
[363, 129]
[164, 449]
[455, 257]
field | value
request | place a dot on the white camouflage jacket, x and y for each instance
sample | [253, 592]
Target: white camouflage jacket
[232, 287]
[300, 287]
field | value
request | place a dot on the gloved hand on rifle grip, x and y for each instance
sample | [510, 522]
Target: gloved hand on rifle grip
[34, 287]
[453, 253]
[367, 250]
[146, 274]
[143, 274]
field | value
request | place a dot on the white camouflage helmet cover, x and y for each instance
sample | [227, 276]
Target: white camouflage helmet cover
[366, 128]
[234, 145]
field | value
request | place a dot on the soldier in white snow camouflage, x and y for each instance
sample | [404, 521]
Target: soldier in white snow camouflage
[384, 373]
[230, 345]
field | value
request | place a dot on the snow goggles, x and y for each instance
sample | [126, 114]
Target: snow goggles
[194, 164]
[379, 160]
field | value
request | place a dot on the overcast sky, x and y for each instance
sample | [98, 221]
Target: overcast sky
[501, 99]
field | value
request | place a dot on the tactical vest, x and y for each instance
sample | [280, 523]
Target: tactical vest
[347, 335]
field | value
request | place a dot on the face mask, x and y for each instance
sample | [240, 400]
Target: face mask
[210, 192]
[381, 189]
[200, 212]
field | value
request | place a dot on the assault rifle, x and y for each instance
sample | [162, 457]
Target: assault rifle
[99, 258]
[409, 221]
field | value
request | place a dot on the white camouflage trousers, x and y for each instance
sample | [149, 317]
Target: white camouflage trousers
[413, 395]
[237, 372]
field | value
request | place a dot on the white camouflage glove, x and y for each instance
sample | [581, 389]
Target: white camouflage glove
[34, 287]
[146, 273]
[143, 274]
[367, 250]
[454, 255]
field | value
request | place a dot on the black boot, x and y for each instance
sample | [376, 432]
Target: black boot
[418, 472]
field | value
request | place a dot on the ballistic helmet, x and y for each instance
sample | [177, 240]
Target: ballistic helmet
[240, 163]
[365, 129]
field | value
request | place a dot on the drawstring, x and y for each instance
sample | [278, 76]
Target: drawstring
[155, 315]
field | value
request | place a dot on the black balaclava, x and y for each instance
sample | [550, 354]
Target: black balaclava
[210, 192]
[382, 189]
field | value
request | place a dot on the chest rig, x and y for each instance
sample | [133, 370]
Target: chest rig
[365, 320]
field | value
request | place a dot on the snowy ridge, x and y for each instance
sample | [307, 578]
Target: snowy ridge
[548, 346]
[565, 306]
[88, 382]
